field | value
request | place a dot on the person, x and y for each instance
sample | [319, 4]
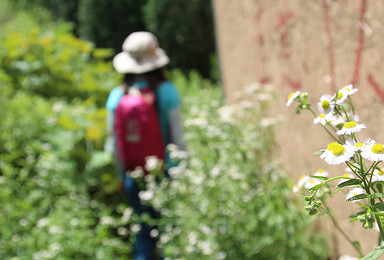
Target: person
[142, 63]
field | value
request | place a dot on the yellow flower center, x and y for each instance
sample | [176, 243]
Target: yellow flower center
[350, 124]
[325, 104]
[322, 115]
[337, 149]
[377, 148]
[331, 145]
[339, 95]
[359, 145]
[380, 172]
[320, 171]
[290, 96]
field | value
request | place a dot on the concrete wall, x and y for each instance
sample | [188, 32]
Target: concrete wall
[316, 47]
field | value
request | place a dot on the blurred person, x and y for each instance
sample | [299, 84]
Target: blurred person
[141, 62]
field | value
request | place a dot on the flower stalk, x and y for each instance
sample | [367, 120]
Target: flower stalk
[338, 119]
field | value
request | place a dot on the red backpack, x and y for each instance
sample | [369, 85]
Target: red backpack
[137, 128]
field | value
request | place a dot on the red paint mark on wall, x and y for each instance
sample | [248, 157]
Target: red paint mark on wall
[260, 38]
[296, 85]
[258, 14]
[284, 17]
[360, 43]
[285, 44]
[379, 91]
[265, 80]
[331, 56]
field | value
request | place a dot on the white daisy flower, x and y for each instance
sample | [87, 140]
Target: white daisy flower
[321, 119]
[312, 182]
[344, 92]
[378, 174]
[302, 180]
[349, 89]
[352, 117]
[373, 152]
[326, 104]
[321, 172]
[296, 188]
[341, 96]
[354, 192]
[338, 122]
[324, 119]
[300, 184]
[358, 146]
[337, 153]
[351, 127]
[291, 97]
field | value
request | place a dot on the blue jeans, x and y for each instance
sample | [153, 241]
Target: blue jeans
[145, 246]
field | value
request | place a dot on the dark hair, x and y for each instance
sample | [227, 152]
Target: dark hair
[155, 77]
[128, 80]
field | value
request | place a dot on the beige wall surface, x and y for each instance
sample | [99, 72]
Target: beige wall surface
[315, 47]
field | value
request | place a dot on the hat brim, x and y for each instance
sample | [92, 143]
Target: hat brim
[124, 63]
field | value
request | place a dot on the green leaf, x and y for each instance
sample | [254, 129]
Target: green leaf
[378, 182]
[376, 195]
[358, 197]
[349, 183]
[354, 215]
[345, 107]
[379, 206]
[318, 186]
[319, 177]
[374, 254]
[356, 165]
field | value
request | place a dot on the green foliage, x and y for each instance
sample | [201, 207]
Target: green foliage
[185, 28]
[108, 22]
[230, 199]
[53, 63]
[55, 178]
[185, 31]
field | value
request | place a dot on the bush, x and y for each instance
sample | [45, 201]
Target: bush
[57, 187]
[230, 199]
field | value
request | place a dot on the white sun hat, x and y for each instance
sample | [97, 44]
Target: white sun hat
[141, 53]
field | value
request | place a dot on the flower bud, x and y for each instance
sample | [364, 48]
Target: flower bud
[368, 225]
[312, 212]
[361, 218]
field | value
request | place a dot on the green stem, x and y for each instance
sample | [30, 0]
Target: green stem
[380, 225]
[371, 203]
[325, 128]
[336, 224]
[318, 187]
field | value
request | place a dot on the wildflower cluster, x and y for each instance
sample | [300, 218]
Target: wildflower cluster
[363, 180]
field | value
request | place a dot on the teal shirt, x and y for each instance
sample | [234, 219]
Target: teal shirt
[114, 98]
[167, 99]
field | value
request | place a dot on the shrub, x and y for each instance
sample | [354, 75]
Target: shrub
[230, 199]
[57, 191]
